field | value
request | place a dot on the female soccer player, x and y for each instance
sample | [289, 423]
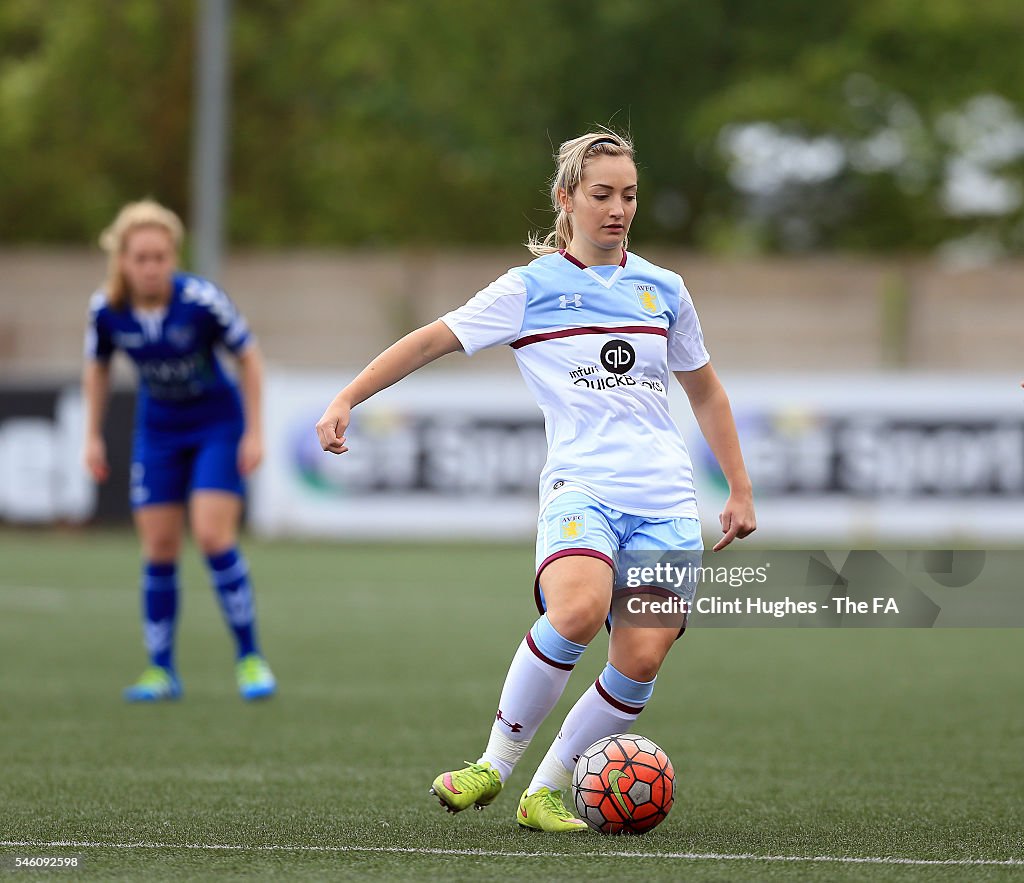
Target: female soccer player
[596, 331]
[194, 440]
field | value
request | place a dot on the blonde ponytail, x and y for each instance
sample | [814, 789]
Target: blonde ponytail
[571, 160]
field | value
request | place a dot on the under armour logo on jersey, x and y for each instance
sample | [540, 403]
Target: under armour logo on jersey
[564, 302]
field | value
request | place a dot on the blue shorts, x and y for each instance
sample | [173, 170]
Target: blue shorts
[576, 524]
[167, 467]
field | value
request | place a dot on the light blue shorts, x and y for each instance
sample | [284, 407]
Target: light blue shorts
[576, 524]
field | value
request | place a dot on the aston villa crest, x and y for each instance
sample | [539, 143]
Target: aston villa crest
[647, 295]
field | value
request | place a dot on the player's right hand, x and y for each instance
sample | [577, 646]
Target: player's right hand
[96, 458]
[331, 427]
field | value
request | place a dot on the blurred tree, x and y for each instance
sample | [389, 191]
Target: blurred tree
[94, 103]
[920, 104]
[875, 124]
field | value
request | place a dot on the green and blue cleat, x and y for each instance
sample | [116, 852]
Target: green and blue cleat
[476, 785]
[255, 679]
[156, 684]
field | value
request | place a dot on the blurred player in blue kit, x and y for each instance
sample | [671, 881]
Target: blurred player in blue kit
[195, 436]
[597, 332]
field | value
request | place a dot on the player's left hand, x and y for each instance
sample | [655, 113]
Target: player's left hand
[737, 518]
[250, 453]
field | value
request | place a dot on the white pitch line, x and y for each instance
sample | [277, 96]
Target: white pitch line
[494, 853]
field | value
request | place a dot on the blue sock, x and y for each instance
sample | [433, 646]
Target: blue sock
[159, 611]
[230, 574]
[626, 690]
[551, 645]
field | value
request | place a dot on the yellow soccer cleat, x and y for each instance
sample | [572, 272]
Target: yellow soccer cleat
[544, 811]
[255, 679]
[476, 785]
[157, 684]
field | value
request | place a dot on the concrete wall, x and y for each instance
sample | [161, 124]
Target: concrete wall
[338, 309]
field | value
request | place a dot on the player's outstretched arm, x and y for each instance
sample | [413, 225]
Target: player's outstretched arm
[95, 390]
[413, 351]
[711, 407]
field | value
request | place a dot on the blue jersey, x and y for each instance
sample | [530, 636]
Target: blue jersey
[182, 384]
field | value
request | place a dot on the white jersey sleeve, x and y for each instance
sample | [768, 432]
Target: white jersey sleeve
[492, 316]
[686, 350]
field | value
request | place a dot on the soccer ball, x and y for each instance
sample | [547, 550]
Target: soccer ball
[623, 785]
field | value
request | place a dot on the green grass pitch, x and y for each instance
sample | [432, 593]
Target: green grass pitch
[795, 743]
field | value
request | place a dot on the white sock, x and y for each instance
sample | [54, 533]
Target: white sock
[503, 753]
[533, 686]
[593, 717]
[551, 774]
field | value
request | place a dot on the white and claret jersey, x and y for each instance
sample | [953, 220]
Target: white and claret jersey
[596, 346]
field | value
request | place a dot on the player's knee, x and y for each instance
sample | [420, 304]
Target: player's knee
[577, 620]
[162, 549]
[642, 665]
[212, 539]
